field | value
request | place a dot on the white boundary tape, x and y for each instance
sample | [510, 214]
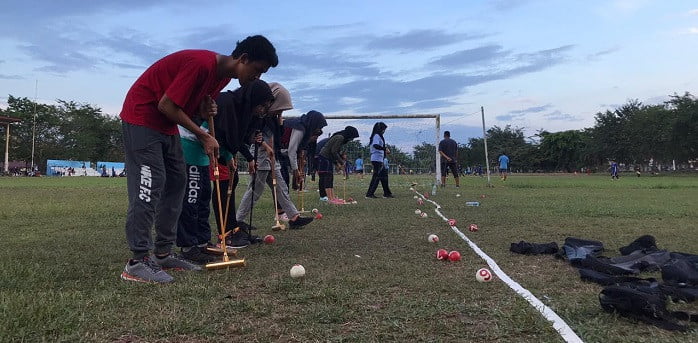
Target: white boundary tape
[558, 324]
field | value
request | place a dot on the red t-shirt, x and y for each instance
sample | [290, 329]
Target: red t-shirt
[186, 77]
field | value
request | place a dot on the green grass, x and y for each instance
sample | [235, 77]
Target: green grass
[371, 275]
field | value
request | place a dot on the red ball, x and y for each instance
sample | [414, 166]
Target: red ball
[269, 239]
[426, 195]
[454, 256]
[452, 222]
[472, 227]
[441, 254]
[318, 216]
[350, 199]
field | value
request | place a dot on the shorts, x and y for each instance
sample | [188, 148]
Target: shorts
[449, 165]
[503, 170]
[359, 171]
[324, 165]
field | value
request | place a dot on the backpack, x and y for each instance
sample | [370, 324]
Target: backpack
[643, 301]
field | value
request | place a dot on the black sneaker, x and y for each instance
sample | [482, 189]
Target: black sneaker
[198, 255]
[371, 197]
[246, 227]
[300, 222]
[175, 262]
[388, 196]
[238, 240]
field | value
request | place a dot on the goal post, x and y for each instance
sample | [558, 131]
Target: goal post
[437, 125]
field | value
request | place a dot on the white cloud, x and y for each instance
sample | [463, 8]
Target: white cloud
[693, 12]
[693, 31]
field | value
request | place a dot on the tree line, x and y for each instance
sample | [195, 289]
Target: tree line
[634, 134]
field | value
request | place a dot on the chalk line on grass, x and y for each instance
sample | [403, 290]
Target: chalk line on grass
[558, 323]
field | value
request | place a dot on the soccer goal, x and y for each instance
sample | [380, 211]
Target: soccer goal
[414, 132]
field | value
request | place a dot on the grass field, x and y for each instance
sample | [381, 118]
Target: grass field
[371, 275]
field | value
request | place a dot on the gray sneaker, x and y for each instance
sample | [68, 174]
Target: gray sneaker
[176, 262]
[145, 270]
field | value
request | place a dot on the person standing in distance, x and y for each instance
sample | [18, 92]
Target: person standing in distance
[448, 149]
[503, 166]
[179, 89]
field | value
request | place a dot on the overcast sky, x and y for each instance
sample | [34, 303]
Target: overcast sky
[531, 63]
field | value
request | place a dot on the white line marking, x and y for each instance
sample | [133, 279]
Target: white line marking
[558, 323]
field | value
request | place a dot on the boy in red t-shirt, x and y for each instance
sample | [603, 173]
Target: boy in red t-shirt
[178, 89]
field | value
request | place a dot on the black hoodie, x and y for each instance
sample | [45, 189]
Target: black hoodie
[235, 115]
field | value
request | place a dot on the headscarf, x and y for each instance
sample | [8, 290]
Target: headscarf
[348, 133]
[235, 113]
[282, 98]
[308, 123]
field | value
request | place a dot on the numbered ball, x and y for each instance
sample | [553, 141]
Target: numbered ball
[433, 238]
[483, 275]
[452, 222]
[417, 211]
[441, 254]
[472, 227]
[423, 215]
[315, 211]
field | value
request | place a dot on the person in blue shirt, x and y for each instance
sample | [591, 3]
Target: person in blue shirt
[614, 170]
[378, 153]
[503, 166]
[359, 167]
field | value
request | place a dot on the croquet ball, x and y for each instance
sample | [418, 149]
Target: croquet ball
[454, 256]
[458, 195]
[482, 196]
[350, 200]
[297, 271]
[315, 211]
[452, 222]
[441, 254]
[426, 195]
[420, 202]
[416, 197]
[423, 215]
[269, 239]
[433, 238]
[411, 188]
[417, 211]
[354, 202]
[318, 216]
[483, 275]
[472, 227]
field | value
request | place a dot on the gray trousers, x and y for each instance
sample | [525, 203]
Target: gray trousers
[264, 177]
[156, 182]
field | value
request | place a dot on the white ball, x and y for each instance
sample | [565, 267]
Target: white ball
[411, 188]
[315, 211]
[433, 238]
[297, 271]
[416, 197]
[458, 195]
[483, 275]
[417, 211]
[424, 215]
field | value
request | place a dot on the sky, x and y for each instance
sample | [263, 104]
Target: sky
[532, 64]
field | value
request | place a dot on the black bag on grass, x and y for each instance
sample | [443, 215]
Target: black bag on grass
[643, 301]
[645, 243]
[527, 248]
[682, 270]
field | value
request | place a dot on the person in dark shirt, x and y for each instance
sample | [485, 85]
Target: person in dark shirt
[448, 149]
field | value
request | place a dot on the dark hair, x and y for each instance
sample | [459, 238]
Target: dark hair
[378, 129]
[257, 48]
[447, 133]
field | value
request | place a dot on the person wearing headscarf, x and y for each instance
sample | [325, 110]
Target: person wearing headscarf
[236, 110]
[298, 133]
[331, 156]
[266, 164]
[379, 151]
